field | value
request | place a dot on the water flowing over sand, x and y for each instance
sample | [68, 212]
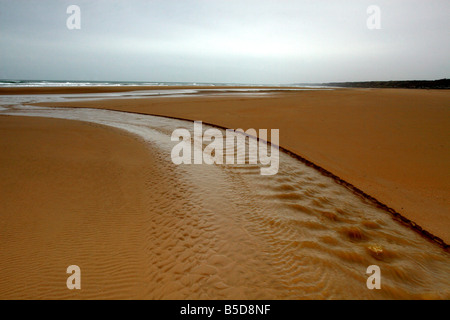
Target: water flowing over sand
[225, 231]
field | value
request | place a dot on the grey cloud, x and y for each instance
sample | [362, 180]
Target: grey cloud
[224, 41]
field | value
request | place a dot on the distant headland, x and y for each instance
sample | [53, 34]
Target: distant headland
[408, 84]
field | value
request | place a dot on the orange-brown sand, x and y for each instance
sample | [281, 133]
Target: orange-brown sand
[391, 143]
[140, 227]
[72, 193]
[87, 195]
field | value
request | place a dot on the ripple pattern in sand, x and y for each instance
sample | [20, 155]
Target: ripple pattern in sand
[225, 231]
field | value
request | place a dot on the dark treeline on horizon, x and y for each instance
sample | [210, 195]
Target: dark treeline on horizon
[409, 84]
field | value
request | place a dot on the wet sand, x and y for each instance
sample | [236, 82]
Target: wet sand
[140, 227]
[391, 143]
[72, 193]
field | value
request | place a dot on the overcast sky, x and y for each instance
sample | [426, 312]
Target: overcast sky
[257, 41]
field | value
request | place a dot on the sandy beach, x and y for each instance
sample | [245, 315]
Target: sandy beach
[390, 143]
[240, 152]
[140, 227]
[71, 192]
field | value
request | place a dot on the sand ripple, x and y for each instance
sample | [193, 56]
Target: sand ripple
[224, 231]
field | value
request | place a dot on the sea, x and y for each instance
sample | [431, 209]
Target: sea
[70, 83]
